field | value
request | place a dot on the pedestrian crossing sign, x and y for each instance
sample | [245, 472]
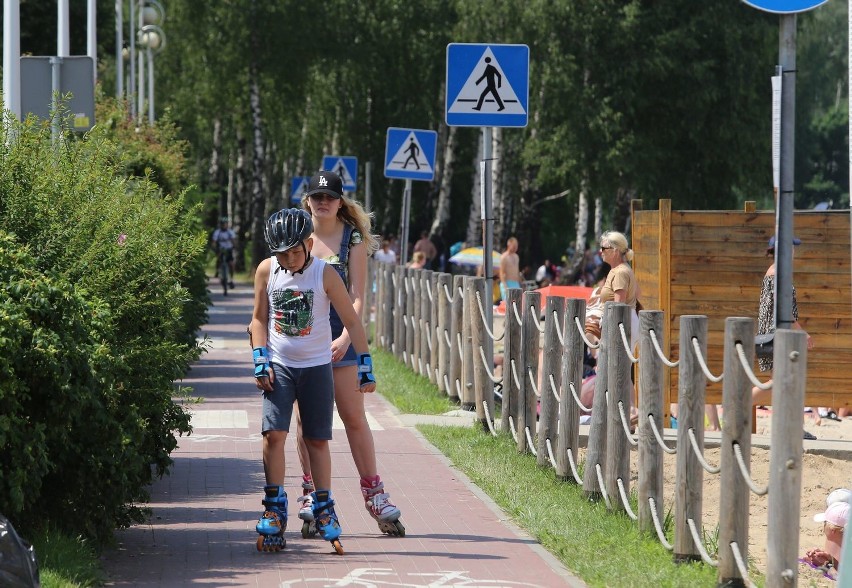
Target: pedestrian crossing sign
[346, 166]
[298, 187]
[487, 85]
[410, 154]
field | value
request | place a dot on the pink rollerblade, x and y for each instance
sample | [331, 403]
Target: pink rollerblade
[378, 503]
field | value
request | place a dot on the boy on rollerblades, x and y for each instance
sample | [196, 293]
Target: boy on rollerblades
[291, 339]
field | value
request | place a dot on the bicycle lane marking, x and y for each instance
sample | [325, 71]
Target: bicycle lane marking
[368, 577]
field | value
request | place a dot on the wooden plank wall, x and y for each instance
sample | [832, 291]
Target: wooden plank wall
[714, 265]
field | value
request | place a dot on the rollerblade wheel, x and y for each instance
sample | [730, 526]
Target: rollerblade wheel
[271, 543]
[308, 530]
[394, 528]
[337, 547]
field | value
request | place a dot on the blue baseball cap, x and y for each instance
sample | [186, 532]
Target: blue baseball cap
[796, 241]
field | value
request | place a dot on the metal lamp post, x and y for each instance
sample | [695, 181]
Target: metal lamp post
[153, 39]
[146, 15]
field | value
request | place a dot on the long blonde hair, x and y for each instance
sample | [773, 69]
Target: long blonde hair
[353, 214]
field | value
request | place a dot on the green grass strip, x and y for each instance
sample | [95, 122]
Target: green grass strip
[409, 392]
[66, 562]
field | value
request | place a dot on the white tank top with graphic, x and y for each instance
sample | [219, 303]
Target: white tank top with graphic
[299, 329]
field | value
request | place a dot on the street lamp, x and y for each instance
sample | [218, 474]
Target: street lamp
[153, 39]
[151, 14]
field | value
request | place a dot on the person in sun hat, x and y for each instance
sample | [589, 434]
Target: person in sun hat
[835, 519]
[839, 495]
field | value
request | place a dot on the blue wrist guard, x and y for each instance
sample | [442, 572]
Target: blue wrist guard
[365, 369]
[261, 362]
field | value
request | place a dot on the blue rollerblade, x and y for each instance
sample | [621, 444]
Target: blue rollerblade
[273, 522]
[326, 519]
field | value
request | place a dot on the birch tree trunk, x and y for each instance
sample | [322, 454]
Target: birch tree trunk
[286, 180]
[582, 228]
[301, 170]
[621, 214]
[238, 203]
[214, 172]
[598, 217]
[473, 236]
[498, 201]
[444, 175]
[229, 196]
[527, 224]
[258, 197]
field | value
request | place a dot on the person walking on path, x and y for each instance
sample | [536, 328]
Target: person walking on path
[290, 334]
[342, 238]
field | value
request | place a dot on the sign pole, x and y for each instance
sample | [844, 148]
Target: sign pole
[784, 207]
[487, 238]
[487, 220]
[406, 204]
[131, 90]
[12, 58]
[55, 91]
[368, 196]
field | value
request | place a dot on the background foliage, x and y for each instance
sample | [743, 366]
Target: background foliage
[628, 99]
[103, 291]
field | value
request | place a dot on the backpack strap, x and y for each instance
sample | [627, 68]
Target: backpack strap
[343, 255]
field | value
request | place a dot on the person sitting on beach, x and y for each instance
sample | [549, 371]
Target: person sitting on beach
[418, 260]
[835, 519]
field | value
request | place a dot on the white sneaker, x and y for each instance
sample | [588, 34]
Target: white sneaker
[306, 511]
[381, 508]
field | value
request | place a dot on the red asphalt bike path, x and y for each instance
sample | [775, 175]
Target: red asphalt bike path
[202, 532]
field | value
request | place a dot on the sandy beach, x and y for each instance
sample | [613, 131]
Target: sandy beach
[821, 475]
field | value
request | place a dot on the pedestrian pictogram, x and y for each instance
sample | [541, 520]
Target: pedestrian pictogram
[345, 166]
[410, 154]
[487, 85]
[298, 187]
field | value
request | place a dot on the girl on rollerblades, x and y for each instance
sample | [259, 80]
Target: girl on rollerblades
[342, 238]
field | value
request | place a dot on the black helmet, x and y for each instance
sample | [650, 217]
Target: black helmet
[287, 228]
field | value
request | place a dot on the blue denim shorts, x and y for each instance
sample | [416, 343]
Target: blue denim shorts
[313, 388]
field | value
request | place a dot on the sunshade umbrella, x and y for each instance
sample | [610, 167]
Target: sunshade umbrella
[473, 256]
[565, 292]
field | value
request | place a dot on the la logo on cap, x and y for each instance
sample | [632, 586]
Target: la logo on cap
[323, 181]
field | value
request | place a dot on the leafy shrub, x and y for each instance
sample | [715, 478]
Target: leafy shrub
[102, 294]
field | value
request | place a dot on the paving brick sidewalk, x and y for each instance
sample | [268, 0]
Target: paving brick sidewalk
[202, 529]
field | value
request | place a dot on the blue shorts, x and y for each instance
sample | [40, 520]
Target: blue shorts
[313, 388]
[350, 357]
[506, 285]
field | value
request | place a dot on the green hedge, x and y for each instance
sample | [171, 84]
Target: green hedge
[102, 293]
